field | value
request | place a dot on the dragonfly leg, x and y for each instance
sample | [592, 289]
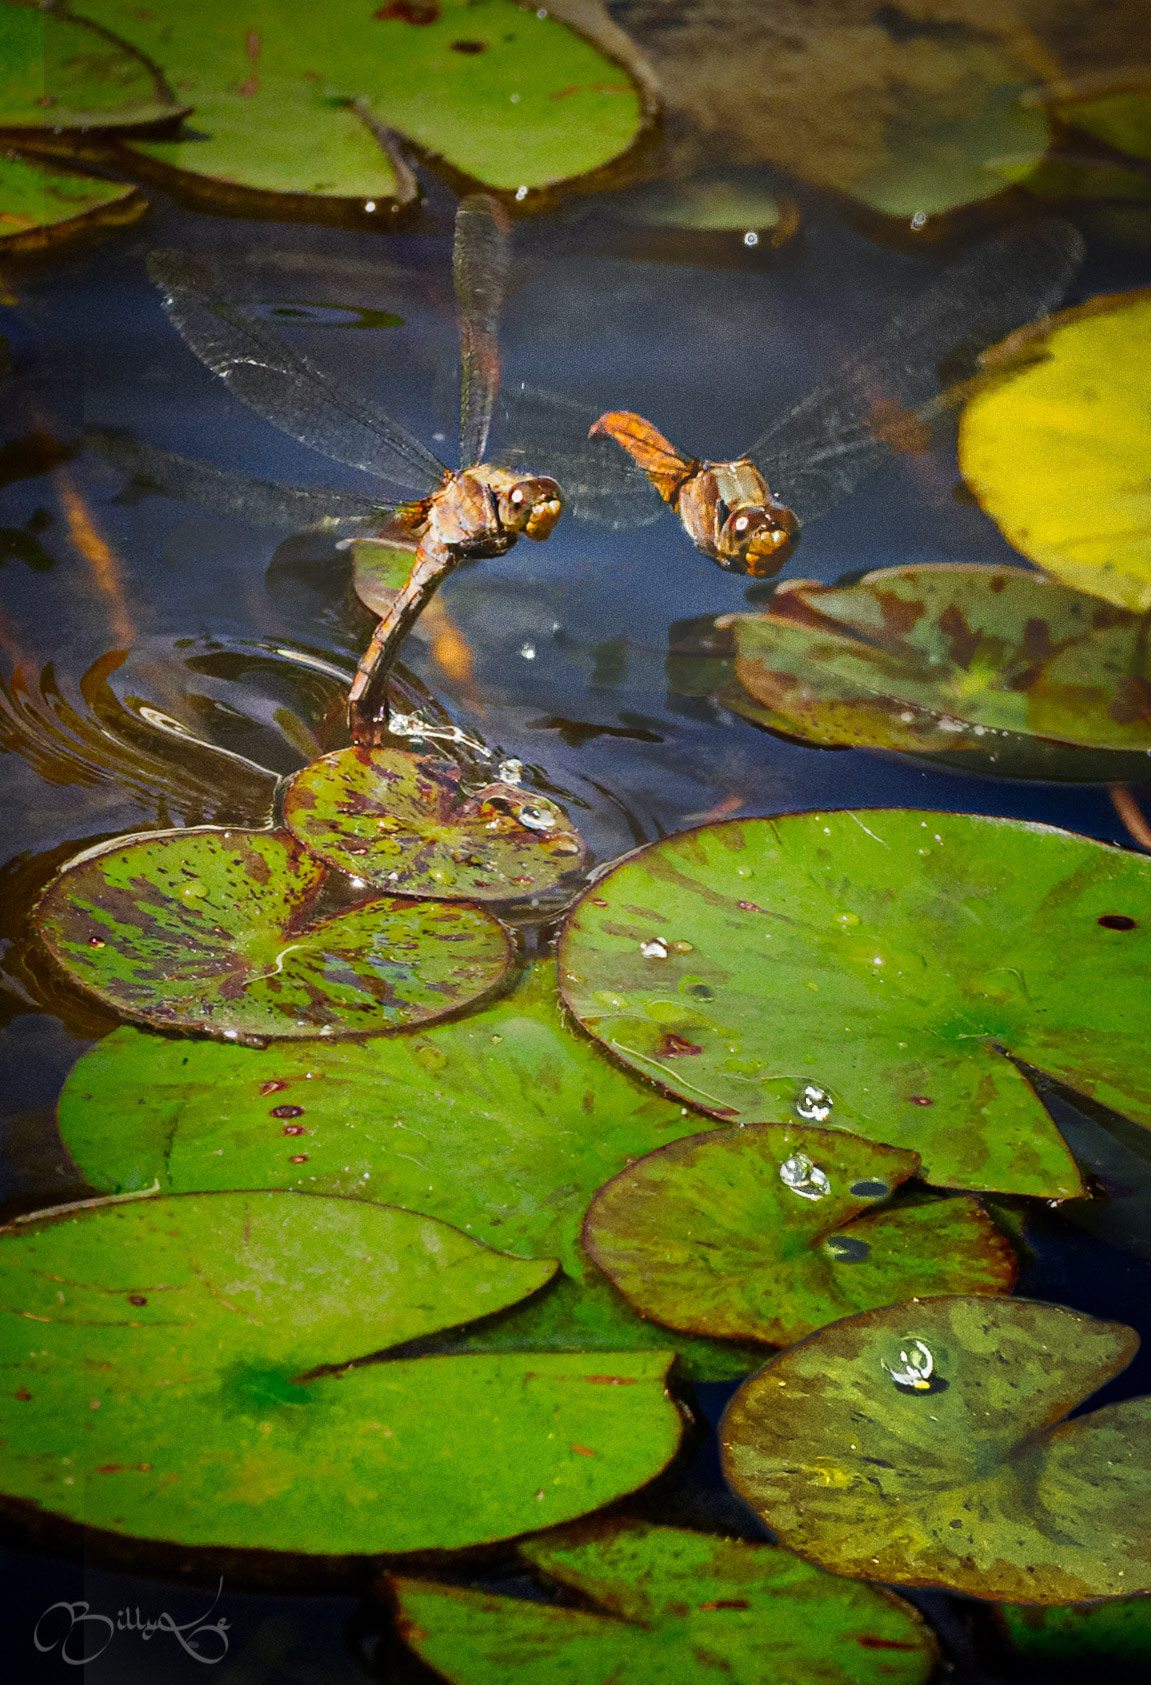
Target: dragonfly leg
[367, 698]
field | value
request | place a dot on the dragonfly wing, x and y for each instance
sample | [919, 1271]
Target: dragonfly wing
[283, 386]
[480, 270]
[601, 484]
[260, 503]
[891, 395]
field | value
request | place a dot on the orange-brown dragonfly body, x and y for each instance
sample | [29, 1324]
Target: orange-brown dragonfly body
[727, 508]
[885, 400]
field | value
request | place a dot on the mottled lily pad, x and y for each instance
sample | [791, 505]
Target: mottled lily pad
[997, 668]
[874, 972]
[223, 931]
[404, 823]
[1056, 449]
[757, 1233]
[503, 95]
[39, 204]
[668, 1607]
[504, 1123]
[56, 72]
[927, 1444]
[1117, 1632]
[162, 1357]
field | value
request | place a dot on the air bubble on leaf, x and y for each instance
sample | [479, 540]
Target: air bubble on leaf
[803, 1177]
[656, 949]
[917, 1368]
[814, 1104]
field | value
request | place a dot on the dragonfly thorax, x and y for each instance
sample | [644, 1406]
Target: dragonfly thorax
[730, 513]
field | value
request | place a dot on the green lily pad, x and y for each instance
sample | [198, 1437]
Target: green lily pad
[927, 1444]
[668, 1607]
[504, 1123]
[221, 931]
[874, 971]
[1121, 117]
[39, 205]
[996, 668]
[1073, 413]
[379, 570]
[503, 95]
[169, 1365]
[404, 823]
[1118, 1632]
[757, 1233]
[908, 114]
[56, 72]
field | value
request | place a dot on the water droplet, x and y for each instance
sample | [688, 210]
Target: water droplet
[522, 192]
[286, 1111]
[751, 238]
[656, 949]
[537, 818]
[813, 1104]
[847, 919]
[803, 1177]
[510, 772]
[528, 651]
[915, 1370]
[870, 1189]
[847, 1248]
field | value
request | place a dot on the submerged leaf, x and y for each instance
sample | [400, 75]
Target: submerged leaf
[404, 823]
[668, 1607]
[757, 1233]
[168, 1391]
[876, 972]
[927, 1444]
[503, 95]
[39, 204]
[57, 73]
[503, 1123]
[1056, 450]
[995, 668]
[220, 931]
[1118, 1632]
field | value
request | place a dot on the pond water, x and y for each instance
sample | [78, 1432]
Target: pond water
[555, 654]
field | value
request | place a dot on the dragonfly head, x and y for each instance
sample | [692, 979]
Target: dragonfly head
[529, 503]
[757, 540]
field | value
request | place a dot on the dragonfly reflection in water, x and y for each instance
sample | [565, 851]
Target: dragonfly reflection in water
[887, 399]
[478, 511]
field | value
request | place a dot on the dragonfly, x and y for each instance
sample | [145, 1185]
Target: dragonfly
[478, 510]
[747, 515]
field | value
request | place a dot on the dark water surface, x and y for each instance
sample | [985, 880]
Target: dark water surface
[555, 653]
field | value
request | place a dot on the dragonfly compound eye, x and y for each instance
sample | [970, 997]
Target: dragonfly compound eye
[757, 541]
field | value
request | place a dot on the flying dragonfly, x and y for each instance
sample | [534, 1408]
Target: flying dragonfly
[476, 511]
[889, 398]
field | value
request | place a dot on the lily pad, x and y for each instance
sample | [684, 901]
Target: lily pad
[39, 205]
[1121, 117]
[996, 668]
[908, 113]
[381, 569]
[669, 1607]
[57, 72]
[178, 1382]
[504, 1123]
[927, 1444]
[1073, 413]
[501, 94]
[404, 823]
[222, 931]
[1118, 1632]
[757, 1233]
[876, 972]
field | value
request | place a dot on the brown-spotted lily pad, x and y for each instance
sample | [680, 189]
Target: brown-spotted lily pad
[927, 1444]
[997, 668]
[223, 931]
[664, 1606]
[768, 1232]
[403, 822]
[192, 1369]
[878, 971]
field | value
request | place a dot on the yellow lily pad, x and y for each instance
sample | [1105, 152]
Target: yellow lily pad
[1056, 452]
